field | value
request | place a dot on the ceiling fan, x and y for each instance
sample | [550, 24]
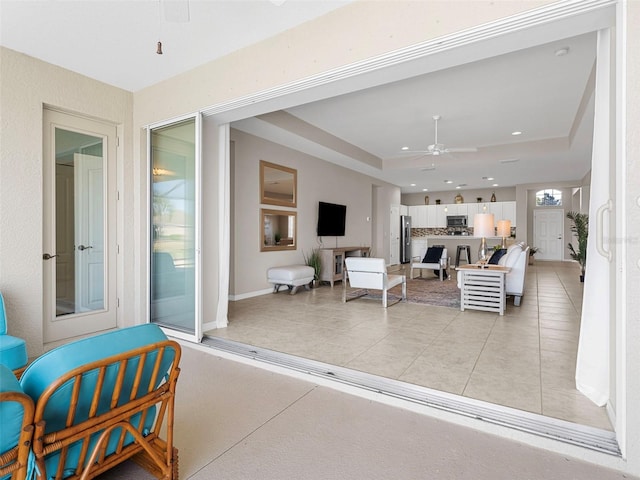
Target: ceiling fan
[439, 148]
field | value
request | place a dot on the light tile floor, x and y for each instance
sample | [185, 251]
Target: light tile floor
[524, 359]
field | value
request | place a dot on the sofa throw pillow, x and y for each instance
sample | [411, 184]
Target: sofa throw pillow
[433, 255]
[497, 255]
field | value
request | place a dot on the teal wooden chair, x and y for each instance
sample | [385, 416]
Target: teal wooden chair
[102, 400]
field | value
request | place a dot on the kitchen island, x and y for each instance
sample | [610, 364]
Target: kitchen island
[451, 242]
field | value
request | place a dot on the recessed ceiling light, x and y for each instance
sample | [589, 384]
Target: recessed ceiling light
[405, 148]
[561, 52]
[487, 178]
[448, 181]
[425, 189]
[517, 132]
[458, 187]
[494, 185]
[413, 184]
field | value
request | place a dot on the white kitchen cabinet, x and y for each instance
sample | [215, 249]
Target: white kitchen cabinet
[509, 212]
[432, 215]
[413, 213]
[458, 209]
[441, 216]
[418, 215]
[472, 209]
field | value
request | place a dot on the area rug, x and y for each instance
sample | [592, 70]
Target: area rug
[426, 290]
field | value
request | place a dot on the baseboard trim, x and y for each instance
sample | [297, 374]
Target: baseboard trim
[243, 296]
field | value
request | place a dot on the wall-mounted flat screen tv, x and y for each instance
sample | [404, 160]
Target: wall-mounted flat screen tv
[331, 219]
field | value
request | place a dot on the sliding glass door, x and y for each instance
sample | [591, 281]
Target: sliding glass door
[174, 262]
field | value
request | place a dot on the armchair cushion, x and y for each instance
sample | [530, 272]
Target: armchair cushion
[433, 255]
[497, 255]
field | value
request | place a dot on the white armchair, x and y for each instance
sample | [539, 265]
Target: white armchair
[441, 265]
[370, 273]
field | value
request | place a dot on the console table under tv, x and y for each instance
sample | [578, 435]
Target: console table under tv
[332, 261]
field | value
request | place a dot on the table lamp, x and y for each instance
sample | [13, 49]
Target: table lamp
[483, 228]
[504, 231]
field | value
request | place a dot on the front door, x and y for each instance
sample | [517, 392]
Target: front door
[79, 226]
[548, 228]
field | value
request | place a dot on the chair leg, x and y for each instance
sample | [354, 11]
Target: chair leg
[384, 298]
[516, 300]
[404, 290]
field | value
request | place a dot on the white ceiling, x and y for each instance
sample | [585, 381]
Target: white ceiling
[481, 103]
[115, 40]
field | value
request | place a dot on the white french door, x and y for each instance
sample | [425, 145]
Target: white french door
[174, 227]
[79, 257]
[548, 228]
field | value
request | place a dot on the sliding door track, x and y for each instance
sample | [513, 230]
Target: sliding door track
[584, 436]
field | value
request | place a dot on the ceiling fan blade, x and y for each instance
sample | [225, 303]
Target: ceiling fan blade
[461, 150]
[409, 153]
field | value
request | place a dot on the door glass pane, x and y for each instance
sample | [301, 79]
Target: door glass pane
[173, 214]
[79, 222]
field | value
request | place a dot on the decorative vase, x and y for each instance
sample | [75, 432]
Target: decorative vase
[459, 199]
[426, 199]
[493, 197]
[438, 201]
[479, 199]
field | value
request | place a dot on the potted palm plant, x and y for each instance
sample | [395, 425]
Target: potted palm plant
[313, 260]
[580, 229]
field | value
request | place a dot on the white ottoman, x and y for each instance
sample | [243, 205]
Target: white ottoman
[292, 276]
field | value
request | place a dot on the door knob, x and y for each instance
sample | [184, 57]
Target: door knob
[82, 247]
[46, 256]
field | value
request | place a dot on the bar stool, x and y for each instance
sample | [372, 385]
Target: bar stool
[466, 249]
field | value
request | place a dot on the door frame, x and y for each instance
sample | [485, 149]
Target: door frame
[93, 321]
[532, 27]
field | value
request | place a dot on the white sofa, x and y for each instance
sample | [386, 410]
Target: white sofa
[516, 258]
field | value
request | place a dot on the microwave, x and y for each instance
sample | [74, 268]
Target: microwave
[456, 221]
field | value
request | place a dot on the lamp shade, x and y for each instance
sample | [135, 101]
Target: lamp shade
[483, 225]
[504, 228]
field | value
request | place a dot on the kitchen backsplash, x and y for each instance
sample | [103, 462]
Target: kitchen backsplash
[428, 232]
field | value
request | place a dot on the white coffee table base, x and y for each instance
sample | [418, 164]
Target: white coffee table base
[483, 289]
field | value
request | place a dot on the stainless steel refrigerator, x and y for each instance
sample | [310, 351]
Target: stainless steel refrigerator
[405, 239]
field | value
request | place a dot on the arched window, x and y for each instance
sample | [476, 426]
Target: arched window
[548, 197]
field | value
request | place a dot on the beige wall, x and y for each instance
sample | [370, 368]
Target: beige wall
[317, 181]
[26, 85]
